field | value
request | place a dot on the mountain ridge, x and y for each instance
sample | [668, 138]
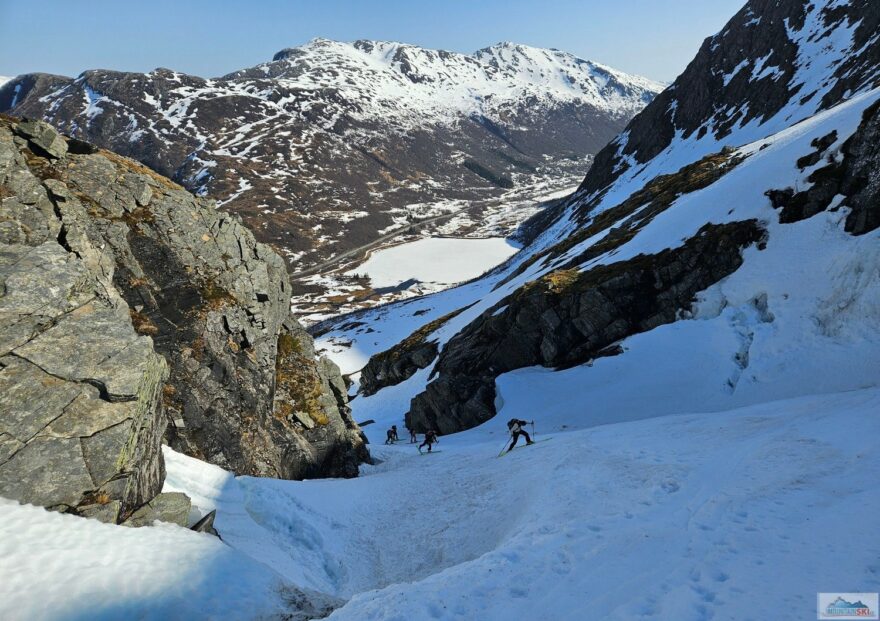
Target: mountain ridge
[623, 261]
[332, 144]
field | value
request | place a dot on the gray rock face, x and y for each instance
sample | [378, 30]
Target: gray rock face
[172, 507]
[126, 303]
[80, 390]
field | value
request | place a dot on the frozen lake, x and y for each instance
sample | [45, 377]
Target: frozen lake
[438, 261]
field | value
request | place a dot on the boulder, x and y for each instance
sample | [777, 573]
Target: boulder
[42, 138]
[172, 507]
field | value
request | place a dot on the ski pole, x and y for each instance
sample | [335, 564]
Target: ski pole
[533, 429]
[505, 444]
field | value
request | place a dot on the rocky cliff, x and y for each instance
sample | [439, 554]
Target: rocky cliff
[132, 310]
[762, 65]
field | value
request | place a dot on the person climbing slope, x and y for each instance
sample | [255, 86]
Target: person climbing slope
[412, 436]
[391, 435]
[430, 438]
[516, 428]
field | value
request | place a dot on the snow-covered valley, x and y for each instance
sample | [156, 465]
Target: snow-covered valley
[691, 336]
[622, 521]
[345, 285]
[437, 261]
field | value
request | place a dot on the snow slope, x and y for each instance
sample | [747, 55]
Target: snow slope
[691, 516]
[803, 321]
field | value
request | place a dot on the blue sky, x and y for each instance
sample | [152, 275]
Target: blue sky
[655, 38]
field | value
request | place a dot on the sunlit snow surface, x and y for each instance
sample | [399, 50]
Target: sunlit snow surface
[680, 517]
[436, 260]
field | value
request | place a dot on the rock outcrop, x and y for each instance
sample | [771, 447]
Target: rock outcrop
[570, 317]
[852, 175]
[81, 417]
[127, 305]
[399, 363]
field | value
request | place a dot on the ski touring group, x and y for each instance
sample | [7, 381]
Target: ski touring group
[515, 428]
[391, 437]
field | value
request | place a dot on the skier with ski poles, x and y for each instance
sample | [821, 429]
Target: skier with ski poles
[412, 436]
[430, 438]
[517, 429]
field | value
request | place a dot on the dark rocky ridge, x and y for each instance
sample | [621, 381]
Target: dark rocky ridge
[700, 101]
[568, 318]
[399, 363]
[854, 175]
[127, 303]
[324, 175]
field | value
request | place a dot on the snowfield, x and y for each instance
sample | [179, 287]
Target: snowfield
[436, 261]
[730, 515]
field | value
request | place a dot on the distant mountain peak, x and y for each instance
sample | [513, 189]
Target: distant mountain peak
[330, 128]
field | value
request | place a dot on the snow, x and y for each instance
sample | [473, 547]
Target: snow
[723, 466]
[787, 271]
[684, 516]
[728, 77]
[92, 101]
[441, 261]
[61, 567]
[4, 79]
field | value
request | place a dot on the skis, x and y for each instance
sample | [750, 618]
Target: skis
[429, 452]
[524, 445]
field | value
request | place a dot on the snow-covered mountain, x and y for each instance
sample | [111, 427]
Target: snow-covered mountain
[722, 251]
[695, 334]
[324, 148]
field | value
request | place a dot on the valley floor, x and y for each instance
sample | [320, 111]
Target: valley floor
[445, 244]
[744, 514]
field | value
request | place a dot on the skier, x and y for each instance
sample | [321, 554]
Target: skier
[391, 435]
[430, 438]
[516, 430]
[412, 436]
